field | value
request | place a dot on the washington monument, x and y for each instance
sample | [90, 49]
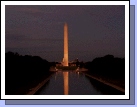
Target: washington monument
[65, 59]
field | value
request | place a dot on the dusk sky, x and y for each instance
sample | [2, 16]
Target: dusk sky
[93, 30]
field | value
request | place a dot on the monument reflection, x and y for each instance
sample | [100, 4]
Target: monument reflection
[66, 83]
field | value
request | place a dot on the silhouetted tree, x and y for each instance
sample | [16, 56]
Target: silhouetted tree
[22, 70]
[107, 66]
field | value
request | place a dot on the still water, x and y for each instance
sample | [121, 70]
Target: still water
[75, 83]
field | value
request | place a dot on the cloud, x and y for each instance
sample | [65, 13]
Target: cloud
[19, 38]
[31, 10]
[22, 8]
[14, 37]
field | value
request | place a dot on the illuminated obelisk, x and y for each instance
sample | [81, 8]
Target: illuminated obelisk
[65, 63]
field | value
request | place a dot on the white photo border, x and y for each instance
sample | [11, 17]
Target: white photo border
[126, 3]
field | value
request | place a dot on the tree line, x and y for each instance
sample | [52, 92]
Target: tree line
[23, 70]
[107, 66]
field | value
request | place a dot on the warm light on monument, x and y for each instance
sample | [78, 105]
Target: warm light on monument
[65, 63]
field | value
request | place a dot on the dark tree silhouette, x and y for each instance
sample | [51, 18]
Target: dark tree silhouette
[23, 71]
[107, 66]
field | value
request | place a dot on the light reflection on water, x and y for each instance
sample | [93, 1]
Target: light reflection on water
[66, 83]
[74, 83]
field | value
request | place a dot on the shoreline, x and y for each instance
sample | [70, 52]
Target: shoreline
[39, 86]
[105, 82]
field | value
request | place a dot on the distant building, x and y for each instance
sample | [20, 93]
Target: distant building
[70, 64]
[59, 64]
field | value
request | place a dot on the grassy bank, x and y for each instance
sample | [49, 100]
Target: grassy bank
[30, 86]
[118, 84]
[38, 86]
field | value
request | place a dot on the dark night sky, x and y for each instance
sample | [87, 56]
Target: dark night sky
[94, 31]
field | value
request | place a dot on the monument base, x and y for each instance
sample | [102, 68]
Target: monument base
[67, 67]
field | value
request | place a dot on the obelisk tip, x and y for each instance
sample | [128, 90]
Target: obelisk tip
[65, 23]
